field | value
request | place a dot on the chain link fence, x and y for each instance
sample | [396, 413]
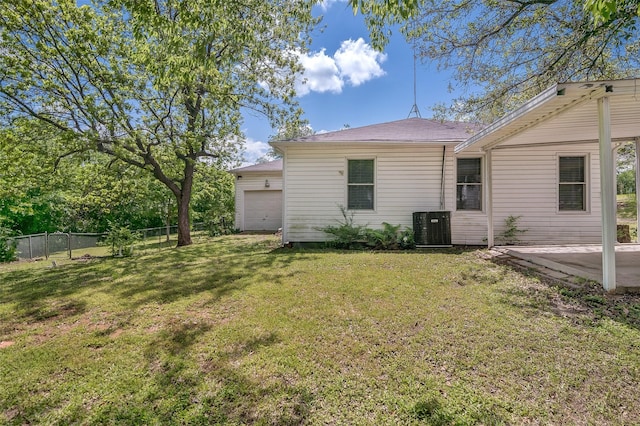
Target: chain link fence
[67, 245]
[57, 244]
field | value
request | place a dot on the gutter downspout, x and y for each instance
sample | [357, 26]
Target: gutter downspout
[444, 149]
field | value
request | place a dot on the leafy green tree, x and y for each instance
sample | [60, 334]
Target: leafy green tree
[89, 192]
[156, 84]
[622, 13]
[627, 182]
[504, 52]
[626, 156]
[43, 190]
[7, 245]
[29, 201]
[293, 132]
[283, 134]
[214, 199]
[99, 193]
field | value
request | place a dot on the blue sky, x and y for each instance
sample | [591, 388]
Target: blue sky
[348, 83]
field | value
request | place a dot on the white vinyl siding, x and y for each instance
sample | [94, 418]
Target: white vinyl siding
[525, 184]
[408, 179]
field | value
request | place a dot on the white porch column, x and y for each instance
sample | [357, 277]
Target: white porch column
[637, 189]
[489, 198]
[607, 196]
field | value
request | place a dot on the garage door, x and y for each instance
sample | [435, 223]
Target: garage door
[262, 210]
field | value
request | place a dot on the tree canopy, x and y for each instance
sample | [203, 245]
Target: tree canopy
[155, 84]
[622, 11]
[504, 52]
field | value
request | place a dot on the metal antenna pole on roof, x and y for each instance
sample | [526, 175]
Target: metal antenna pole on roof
[414, 108]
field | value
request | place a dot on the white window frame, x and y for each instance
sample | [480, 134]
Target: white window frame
[374, 183]
[482, 184]
[586, 183]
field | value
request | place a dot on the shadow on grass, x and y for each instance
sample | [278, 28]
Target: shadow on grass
[171, 275]
[587, 303]
[431, 412]
[208, 389]
[211, 270]
[46, 293]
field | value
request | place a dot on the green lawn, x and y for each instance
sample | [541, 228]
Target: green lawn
[627, 213]
[234, 330]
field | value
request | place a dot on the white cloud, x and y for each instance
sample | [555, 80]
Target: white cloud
[355, 62]
[253, 150]
[326, 4]
[321, 74]
[359, 62]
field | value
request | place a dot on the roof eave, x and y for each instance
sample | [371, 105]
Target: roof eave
[535, 102]
[544, 106]
[279, 144]
[255, 172]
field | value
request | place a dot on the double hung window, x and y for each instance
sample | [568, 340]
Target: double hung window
[572, 190]
[360, 184]
[469, 184]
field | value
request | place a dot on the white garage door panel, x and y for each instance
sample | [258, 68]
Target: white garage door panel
[262, 210]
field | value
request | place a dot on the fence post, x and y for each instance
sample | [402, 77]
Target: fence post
[69, 244]
[46, 245]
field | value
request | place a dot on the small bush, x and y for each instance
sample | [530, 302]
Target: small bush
[220, 226]
[510, 234]
[7, 246]
[348, 235]
[121, 240]
[407, 239]
[390, 237]
[385, 238]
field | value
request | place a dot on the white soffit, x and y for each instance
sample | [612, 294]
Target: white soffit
[565, 112]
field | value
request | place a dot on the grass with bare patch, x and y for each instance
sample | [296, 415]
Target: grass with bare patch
[626, 204]
[237, 331]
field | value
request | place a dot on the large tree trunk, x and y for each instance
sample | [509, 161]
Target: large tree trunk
[184, 198]
[184, 222]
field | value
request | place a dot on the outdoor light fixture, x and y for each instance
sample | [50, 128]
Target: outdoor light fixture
[266, 183]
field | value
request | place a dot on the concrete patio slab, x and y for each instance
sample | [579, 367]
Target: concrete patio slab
[583, 261]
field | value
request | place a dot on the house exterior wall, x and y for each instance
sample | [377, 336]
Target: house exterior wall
[253, 182]
[408, 179]
[525, 183]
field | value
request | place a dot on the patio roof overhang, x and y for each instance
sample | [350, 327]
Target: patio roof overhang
[566, 112]
[605, 112]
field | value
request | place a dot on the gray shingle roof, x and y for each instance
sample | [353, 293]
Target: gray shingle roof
[271, 166]
[407, 130]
